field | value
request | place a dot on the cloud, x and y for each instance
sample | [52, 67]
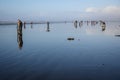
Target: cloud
[112, 10]
[91, 9]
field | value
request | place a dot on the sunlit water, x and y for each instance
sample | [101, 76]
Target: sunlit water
[47, 54]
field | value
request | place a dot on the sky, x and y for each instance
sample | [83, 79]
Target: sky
[59, 9]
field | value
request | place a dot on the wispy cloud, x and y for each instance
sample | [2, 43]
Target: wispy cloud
[111, 10]
[92, 9]
[107, 13]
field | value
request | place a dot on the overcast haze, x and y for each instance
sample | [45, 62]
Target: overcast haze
[59, 9]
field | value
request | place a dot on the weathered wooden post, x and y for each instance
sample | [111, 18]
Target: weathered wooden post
[19, 34]
[19, 24]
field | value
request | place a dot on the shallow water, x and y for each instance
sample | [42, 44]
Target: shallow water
[45, 53]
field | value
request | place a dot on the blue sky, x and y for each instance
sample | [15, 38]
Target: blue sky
[59, 9]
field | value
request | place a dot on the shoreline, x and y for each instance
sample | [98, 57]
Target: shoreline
[45, 22]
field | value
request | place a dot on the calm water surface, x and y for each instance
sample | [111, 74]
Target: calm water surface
[44, 52]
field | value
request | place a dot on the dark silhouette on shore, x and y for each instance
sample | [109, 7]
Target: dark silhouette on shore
[70, 39]
[117, 35]
[19, 34]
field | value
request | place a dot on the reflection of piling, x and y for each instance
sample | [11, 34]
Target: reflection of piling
[48, 28]
[75, 23]
[80, 23]
[93, 23]
[24, 25]
[31, 25]
[87, 23]
[103, 25]
[19, 34]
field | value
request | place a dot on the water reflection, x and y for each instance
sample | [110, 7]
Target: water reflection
[19, 34]
[66, 53]
[80, 23]
[94, 23]
[75, 24]
[90, 27]
[31, 25]
[24, 25]
[91, 23]
[48, 28]
[103, 25]
[88, 22]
